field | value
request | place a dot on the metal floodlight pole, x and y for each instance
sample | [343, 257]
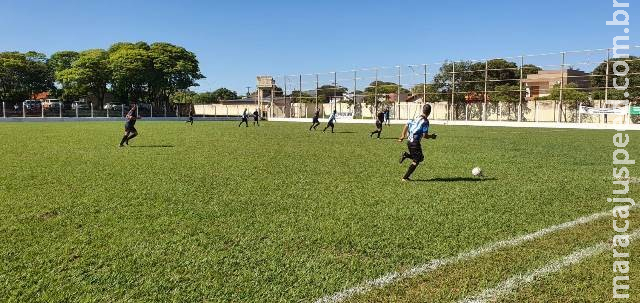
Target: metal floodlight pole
[424, 86]
[355, 91]
[77, 106]
[606, 87]
[316, 98]
[4, 114]
[151, 114]
[521, 86]
[335, 91]
[453, 90]
[398, 96]
[486, 80]
[375, 93]
[60, 104]
[561, 87]
[41, 110]
[300, 95]
[91, 110]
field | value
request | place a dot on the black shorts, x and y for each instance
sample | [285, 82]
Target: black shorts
[379, 124]
[330, 124]
[130, 129]
[315, 120]
[415, 150]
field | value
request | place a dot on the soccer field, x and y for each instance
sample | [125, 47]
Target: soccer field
[216, 213]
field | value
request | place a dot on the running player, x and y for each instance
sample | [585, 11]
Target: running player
[130, 131]
[386, 116]
[190, 120]
[332, 120]
[379, 122]
[416, 129]
[256, 118]
[316, 120]
[245, 118]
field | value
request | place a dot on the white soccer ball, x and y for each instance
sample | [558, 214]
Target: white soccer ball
[476, 172]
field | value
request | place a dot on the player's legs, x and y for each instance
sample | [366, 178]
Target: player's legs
[415, 153]
[124, 138]
[132, 134]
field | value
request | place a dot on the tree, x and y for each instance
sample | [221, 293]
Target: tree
[131, 69]
[88, 75]
[381, 89]
[59, 62]
[225, 94]
[432, 94]
[174, 68]
[599, 84]
[23, 74]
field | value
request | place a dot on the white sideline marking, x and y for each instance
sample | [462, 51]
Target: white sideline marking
[518, 281]
[464, 256]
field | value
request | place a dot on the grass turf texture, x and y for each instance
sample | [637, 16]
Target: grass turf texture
[213, 212]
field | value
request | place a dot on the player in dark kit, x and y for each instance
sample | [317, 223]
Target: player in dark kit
[130, 131]
[379, 122]
[245, 118]
[332, 120]
[190, 120]
[316, 120]
[386, 117]
[415, 130]
[256, 118]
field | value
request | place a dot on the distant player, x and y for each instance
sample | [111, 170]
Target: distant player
[332, 120]
[245, 118]
[416, 129]
[130, 131]
[379, 122]
[256, 118]
[386, 116]
[316, 120]
[190, 120]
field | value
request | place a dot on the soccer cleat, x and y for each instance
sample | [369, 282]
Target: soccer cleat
[120, 145]
[406, 180]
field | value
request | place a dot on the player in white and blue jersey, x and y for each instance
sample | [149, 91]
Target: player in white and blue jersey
[414, 131]
[332, 120]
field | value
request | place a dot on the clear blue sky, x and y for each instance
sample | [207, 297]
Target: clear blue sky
[237, 40]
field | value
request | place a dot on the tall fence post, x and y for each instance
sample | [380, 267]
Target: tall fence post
[424, 86]
[579, 115]
[108, 107]
[317, 88]
[24, 110]
[91, 110]
[453, 91]
[355, 92]
[60, 105]
[521, 87]
[77, 106]
[151, 109]
[486, 80]
[165, 109]
[606, 80]
[375, 94]
[398, 97]
[4, 113]
[121, 110]
[536, 110]
[561, 88]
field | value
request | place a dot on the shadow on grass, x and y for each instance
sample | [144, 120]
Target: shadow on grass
[457, 179]
[151, 146]
[345, 132]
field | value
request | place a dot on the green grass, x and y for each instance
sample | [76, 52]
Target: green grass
[217, 213]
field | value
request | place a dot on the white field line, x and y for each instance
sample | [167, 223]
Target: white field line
[520, 280]
[394, 277]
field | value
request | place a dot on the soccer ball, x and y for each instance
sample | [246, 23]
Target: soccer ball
[476, 172]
